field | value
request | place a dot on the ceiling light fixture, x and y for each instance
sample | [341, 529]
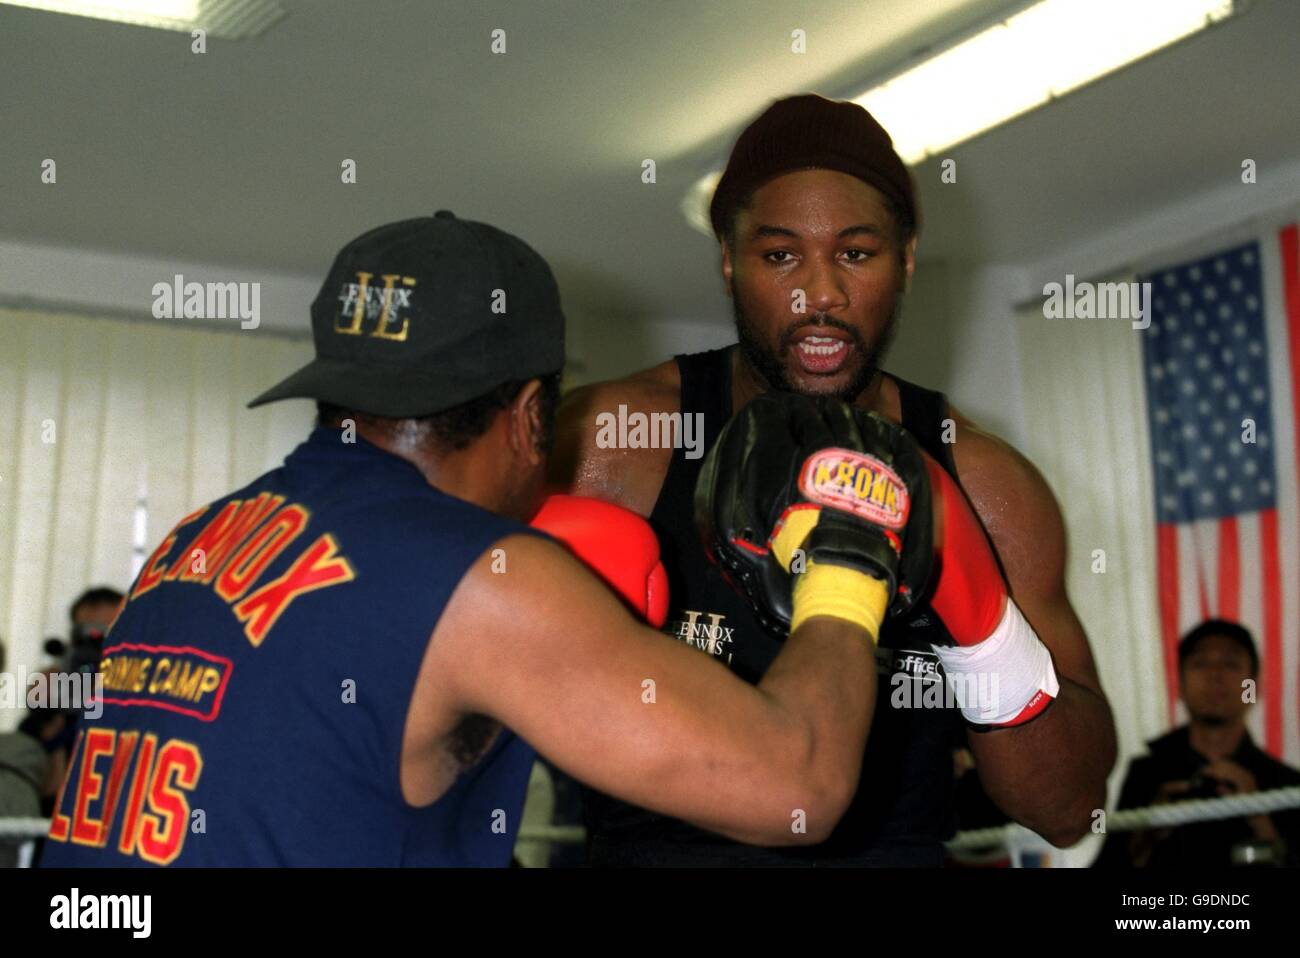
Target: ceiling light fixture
[225, 19]
[1044, 52]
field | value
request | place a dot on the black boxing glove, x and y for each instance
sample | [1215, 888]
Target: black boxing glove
[803, 502]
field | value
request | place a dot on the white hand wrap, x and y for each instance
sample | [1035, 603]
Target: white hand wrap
[1004, 680]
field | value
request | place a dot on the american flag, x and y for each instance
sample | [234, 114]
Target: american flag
[1222, 361]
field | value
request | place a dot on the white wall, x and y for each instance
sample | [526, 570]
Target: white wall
[609, 347]
[104, 283]
[957, 336]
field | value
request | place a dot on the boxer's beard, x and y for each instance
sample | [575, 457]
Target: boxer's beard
[771, 368]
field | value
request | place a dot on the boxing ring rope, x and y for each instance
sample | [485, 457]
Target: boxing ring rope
[23, 831]
[1157, 816]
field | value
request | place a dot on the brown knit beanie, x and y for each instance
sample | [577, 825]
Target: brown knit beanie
[811, 132]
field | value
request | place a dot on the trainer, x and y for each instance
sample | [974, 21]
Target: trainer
[350, 660]
[817, 223]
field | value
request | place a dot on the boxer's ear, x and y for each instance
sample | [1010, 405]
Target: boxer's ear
[728, 268]
[526, 422]
[908, 256]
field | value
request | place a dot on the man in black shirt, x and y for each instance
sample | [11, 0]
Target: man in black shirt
[1210, 756]
[817, 223]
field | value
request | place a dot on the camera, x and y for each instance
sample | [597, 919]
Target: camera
[87, 646]
[81, 652]
[1204, 786]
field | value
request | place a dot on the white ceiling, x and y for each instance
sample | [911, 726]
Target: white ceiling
[233, 157]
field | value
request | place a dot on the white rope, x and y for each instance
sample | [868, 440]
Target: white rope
[14, 830]
[23, 829]
[557, 834]
[1129, 820]
[1159, 816]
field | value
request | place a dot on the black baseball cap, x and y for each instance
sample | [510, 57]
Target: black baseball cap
[421, 315]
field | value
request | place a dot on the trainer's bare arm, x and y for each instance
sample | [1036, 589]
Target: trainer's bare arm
[1051, 774]
[548, 651]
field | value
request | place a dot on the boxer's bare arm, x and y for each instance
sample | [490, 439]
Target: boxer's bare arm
[1051, 774]
[630, 478]
[548, 651]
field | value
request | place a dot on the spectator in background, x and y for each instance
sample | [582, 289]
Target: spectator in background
[1212, 755]
[89, 616]
[23, 765]
[95, 609]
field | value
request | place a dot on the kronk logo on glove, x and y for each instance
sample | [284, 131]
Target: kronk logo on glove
[798, 477]
[858, 483]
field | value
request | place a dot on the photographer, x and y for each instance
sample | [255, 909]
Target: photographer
[94, 610]
[55, 729]
[1211, 756]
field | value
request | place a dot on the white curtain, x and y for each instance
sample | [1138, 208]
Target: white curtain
[1085, 411]
[112, 430]
[1086, 426]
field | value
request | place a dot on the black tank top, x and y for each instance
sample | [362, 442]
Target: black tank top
[902, 811]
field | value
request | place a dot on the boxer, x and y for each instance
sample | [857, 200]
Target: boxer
[351, 660]
[817, 223]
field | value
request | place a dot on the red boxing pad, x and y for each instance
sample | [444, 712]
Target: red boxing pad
[616, 544]
[970, 592]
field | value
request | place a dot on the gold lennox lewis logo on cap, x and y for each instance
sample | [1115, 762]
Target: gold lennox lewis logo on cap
[382, 304]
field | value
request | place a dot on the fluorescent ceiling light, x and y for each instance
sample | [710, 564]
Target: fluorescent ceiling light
[1046, 51]
[226, 19]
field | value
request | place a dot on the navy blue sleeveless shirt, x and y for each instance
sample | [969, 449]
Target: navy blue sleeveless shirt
[256, 683]
[902, 811]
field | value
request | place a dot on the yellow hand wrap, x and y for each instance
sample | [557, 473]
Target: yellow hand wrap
[840, 592]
